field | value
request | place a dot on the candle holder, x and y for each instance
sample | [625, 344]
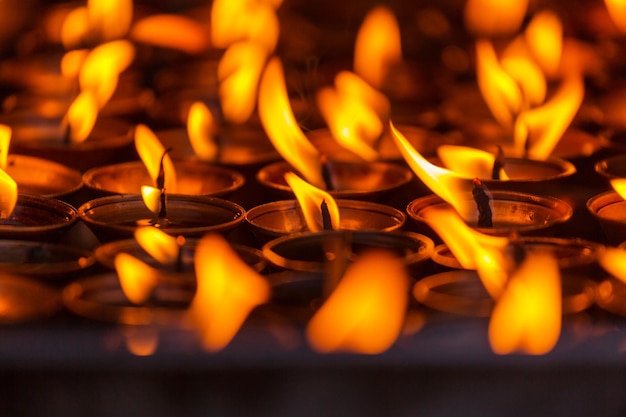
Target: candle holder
[307, 251]
[371, 181]
[609, 209]
[38, 218]
[117, 217]
[43, 178]
[280, 218]
[513, 212]
[461, 292]
[25, 299]
[192, 178]
[612, 167]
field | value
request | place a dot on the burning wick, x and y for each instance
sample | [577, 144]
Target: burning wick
[327, 173]
[498, 164]
[482, 203]
[326, 220]
[160, 184]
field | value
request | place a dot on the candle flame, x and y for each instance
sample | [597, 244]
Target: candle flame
[8, 195]
[137, 278]
[151, 198]
[75, 27]
[544, 36]
[110, 18]
[378, 46]
[310, 199]
[171, 31]
[619, 185]
[613, 260]
[72, 62]
[5, 142]
[527, 317]
[158, 244]
[366, 311]
[141, 341]
[469, 162]
[494, 17]
[518, 62]
[282, 128]
[228, 290]
[151, 152]
[81, 117]
[617, 11]
[201, 129]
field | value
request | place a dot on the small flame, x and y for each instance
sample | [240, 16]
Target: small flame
[5, 142]
[613, 260]
[469, 162]
[75, 27]
[527, 317]
[239, 72]
[451, 187]
[81, 117]
[72, 62]
[151, 151]
[228, 290]
[544, 36]
[282, 128]
[619, 185]
[494, 17]
[151, 198]
[201, 129]
[617, 11]
[171, 31]
[378, 46]
[110, 18]
[310, 199]
[8, 195]
[366, 311]
[137, 278]
[141, 341]
[158, 244]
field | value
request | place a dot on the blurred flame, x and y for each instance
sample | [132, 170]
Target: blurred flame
[201, 129]
[72, 62]
[378, 46]
[518, 62]
[75, 27]
[494, 17]
[366, 311]
[544, 36]
[151, 151]
[141, 341]
[151, 198]
[239, 72]
[5, 142]
[158, 244]
[613, 260]
[451, 187]
[171, 31]
[527, 317]
[282, 128]
[619, 185]
[474, 250]
[310, 199]
[81, 116]
[617, 11]
[137, 278]
[353, 111]
[8, 194]
[110, 18]
[468, 162]
[228, 290]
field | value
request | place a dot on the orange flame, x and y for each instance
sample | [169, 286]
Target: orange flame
[75, 27]
[619, 185]
[72, 62]
[8, 195]
[239, 72]
[201, 129]
[613, 260]
[468, 162]
[494, 17]
[451, 187]
[519, 63]
[378, 46]
[5, 141]
[141, 341]
[158, 244]
[228, 290]
[617, 11]
[527, 317]
[110, 18]
[171, 31]
[282, 128]
[81, 116]
[366, 311]
[151, 151]
[137, 278]
[310, 199]
[151, 198]
[240, 20]
[544, 36]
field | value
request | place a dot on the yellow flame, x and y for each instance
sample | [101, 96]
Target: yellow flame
[158, 244]
[151, 151]
[228, 290]
[72, 62]
[201, 129]
[468, 162]
[81, 116]
[499, 89]
[448, 185]
[151, 198]
[613, 260]
[137, 278]
[518, 62]
[310, 199]
[171, 31]
[544, 126]
[141, 341]
[366, 311]
[110, 18]
[75, 27]
[474, 250]
[240, 20]
[239, 72]
[617, 11]
[544, 36]
[8, 194]
[282, 128]
[5, 142]
[494, 17]
[527, 317]
[619, 185]
[378, 46]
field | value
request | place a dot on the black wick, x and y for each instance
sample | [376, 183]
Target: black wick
[160, 183]
[326, 220]
[482, 203]
[498, 164]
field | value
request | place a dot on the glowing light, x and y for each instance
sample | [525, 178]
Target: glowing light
[544, 36]
[5, 141]
[141, 341]
[613, 260]
[151, 152]
[151, 198]
[468, 162]
[110, 18]
[201, 129]
[617, 11]
[8, 195]
[158, 244]
[137, 278]
[81, 116]
[171, 31]
[75, 27]
[310, 199]
[493, 17]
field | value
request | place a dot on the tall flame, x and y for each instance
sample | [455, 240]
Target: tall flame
[8, 195]
[201, 129]
[228, 290]
[518, 62]
[81, 116]
[494, 17]
[311, 199]
[5, 141]
[151, 152]
[282, 128]
[137, 278]
[365, 313]
[527, 317]
[617, 11]
[378, 46]
[469, 162]
[544, 36]
[158, 244]
[171, 31]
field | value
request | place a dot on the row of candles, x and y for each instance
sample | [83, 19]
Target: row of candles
[242, 213]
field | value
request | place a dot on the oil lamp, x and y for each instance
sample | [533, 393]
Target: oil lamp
[608, 210]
